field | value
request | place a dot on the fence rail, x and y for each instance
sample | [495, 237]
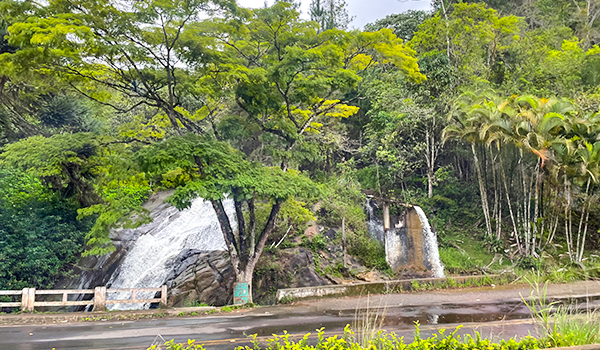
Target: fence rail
[28, 301]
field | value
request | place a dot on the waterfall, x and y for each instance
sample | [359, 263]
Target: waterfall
[374, 224]
[430, 245]
[154, 254]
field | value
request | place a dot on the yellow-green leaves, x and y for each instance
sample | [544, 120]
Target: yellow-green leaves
[154, 129]
[390, 49]
[337, 109]
[473, 35]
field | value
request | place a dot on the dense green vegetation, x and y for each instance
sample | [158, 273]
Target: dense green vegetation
[357, 340]
[39, 232]
[486, 114]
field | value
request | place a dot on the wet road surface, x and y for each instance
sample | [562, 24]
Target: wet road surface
[477, 310]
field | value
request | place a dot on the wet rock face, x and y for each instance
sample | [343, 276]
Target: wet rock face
[287, 268]
[203, 276]
[93, 271]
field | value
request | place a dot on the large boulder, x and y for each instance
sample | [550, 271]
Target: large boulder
[201, 277]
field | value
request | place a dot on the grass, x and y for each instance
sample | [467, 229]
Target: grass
[561, 325]
[463, 258]
[367, 324]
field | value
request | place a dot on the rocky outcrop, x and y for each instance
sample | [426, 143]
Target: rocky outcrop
[93, 271]
[286, 268]
[208, 277]
[201, 276]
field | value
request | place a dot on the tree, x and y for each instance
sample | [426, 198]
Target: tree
[330, 14]
[476, 37]
[287, 79]
[135, 51]
[64, 163]
[465, 125]
[39, 233]
[214, 171]
[404, 25]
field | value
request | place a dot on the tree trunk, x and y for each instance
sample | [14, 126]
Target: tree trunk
[509, 202]
[244, 264]
[429, 183]
[482, 190]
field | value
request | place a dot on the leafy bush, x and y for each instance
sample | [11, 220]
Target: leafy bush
[39, 233]
[369, 251]
[381, 341]
[314, 244]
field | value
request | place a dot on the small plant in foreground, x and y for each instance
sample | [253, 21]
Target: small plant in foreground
[287, 300]
[171, 345]
[381, 341]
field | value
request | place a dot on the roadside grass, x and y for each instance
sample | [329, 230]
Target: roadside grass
[367, 323]
[561, 325]
[557, 326]
[464, 255]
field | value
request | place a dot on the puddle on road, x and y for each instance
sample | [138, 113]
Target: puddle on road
[404, 317]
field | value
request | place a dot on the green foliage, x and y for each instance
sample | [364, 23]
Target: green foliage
[473, 36]
[404, 25]
[65, 163]
[39, 233]
[457, 262]
[560, 325]
[294, 212]
[171, 345]
[200, 167]
[387, 341]
[316, 243]
[330, 14]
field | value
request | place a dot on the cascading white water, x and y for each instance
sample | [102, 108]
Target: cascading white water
[374, 224]
[431, 245]
[154, 254]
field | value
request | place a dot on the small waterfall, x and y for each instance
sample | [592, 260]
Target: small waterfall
[154, 254]
[430, 245]
[374, 224]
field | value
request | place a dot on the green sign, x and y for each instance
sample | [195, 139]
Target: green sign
[241, 293]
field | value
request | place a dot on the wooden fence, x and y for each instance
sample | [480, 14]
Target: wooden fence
[28, 297]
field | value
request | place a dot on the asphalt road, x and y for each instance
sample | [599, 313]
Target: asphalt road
[496, 313]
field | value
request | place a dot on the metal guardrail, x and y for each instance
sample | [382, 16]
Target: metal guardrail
[28, 297]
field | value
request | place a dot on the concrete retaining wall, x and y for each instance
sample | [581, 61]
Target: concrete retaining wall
[292, 294]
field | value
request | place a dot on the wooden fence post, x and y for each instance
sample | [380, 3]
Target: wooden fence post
[163, 296]
[24, 299]
[99, 299]
[30, 299]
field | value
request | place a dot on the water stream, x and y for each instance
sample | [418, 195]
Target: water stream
[374, 223]
[396, 240]
[430, 245]
[154, 254]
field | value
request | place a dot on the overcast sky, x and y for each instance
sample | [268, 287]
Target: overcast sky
[365, 11]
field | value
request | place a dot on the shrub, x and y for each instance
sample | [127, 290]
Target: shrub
[381, 341]
[39, 233]
[315, 244]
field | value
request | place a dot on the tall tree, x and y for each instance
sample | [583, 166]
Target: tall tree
[287, 79]
[134, 50]
[404, 25]
[330, 14]
[199, 167]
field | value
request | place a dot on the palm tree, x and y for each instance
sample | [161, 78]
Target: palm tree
[532, 126]
[465, 124]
